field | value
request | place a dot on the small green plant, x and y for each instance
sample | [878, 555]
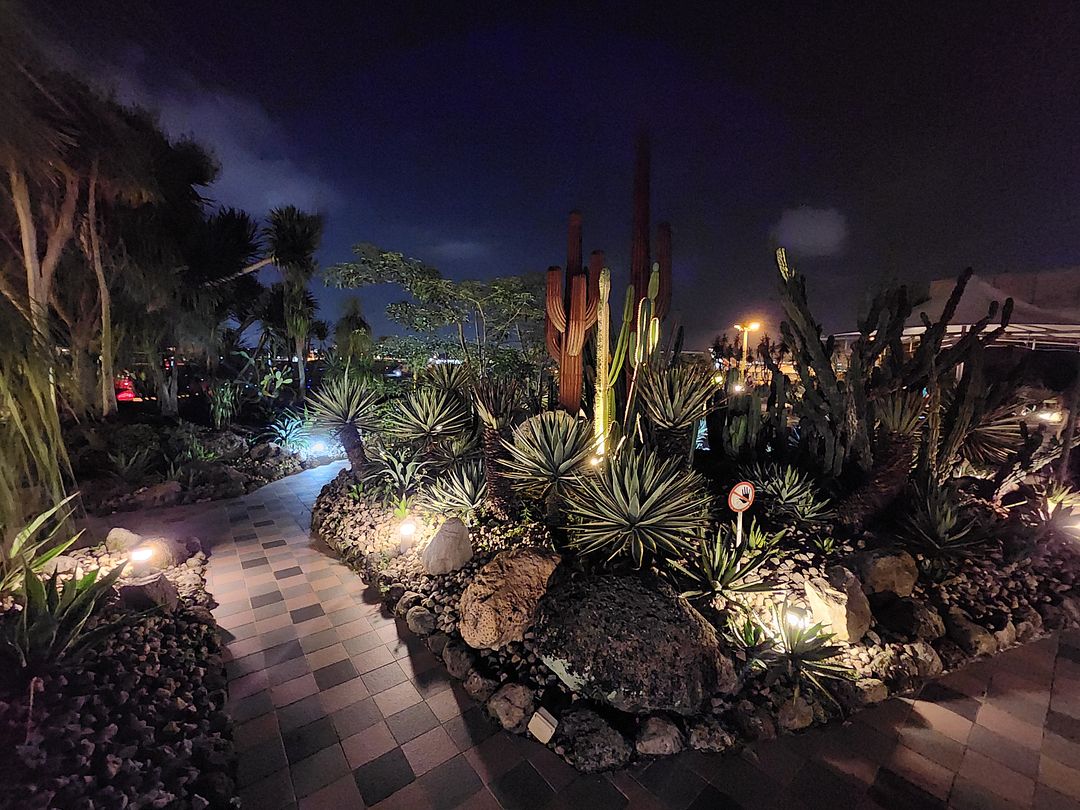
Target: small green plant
[725, 567]
[935, 525]
[35, 545]
[639, 508]
[751, 641]
[803, 651]
[399, 470]
[428, 415]
[274, 382]
[52, 626]
[825, 544]
[459, 491]
[356, 493]
[545, 456]
[133, 467]
[225, 402]
[401, 508]
[1060, 498]
[788, 495]
[291, 430]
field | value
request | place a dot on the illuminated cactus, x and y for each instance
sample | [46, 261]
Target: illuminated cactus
[609, 363]
[571, 312]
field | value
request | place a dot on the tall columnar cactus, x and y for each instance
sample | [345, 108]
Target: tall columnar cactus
[571, 312]
[641, 266]
[609, 363]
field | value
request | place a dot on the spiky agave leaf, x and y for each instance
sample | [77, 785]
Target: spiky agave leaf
[458, 491]
[676, 397]
[35, 544]
[496, 400]
[427, 415]
[935, 525]
[726, 566]
[399, 469]
[637, 507]
[788, 494]
[901, 413]
[804, 651]
[546, 453]
[345, 401]
[447, 377]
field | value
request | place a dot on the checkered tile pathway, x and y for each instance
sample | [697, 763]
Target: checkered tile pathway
[339, 706]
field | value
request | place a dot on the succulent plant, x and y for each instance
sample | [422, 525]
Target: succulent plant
[725, 566]
[545, 455]
[459, 491]
[428, 415]
[348, 407]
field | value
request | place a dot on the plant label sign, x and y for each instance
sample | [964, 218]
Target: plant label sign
[740, 497]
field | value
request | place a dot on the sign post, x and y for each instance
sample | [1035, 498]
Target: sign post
[739, 500]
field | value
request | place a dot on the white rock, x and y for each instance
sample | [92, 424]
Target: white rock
[840, 603]
[659, 737]
[449, 549]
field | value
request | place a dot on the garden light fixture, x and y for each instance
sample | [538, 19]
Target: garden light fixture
[798, 618]
[318, 447]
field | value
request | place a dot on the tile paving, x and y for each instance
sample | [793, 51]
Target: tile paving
[337, 705]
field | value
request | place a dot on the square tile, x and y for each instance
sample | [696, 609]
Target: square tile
[383, 776]
[471, 727]
[344, 694]
[334, 674]
[397, 698]
[412, 722]
[338, 795]
[1059, 776]
[301, 743]
[522, 788]
[451, 784]
[325, 656]
[997, 778]
[382, 678]
[318, 770]
[356, 717]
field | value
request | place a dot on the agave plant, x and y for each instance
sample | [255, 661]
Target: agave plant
[1060, 498]
[428, 415]
[935, 525]
[399, 469]
[751, 641]
[545, 455]
[291, 430]
[225, 401]
[347, 406]
[34, 545]
[446, 377]
[804, 651]
[52, 625]
[638, 507]
[132, 467]
[496, 400]
[725, 566]
[675, 398]
[454, 450]
[901, 413]
[459, 491]
[788, 494]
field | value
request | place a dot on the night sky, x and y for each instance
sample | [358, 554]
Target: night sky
[876, 141]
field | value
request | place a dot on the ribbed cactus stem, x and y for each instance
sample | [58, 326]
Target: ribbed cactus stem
[639, 246]
[663, 262]
[601, 415]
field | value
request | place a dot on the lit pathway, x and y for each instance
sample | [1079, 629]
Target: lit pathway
[338, 706]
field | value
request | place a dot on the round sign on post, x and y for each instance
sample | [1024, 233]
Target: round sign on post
[740, 497]
[739, 500]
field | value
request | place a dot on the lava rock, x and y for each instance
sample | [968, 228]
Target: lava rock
[513, 705]
[420, 620]
[459, 659]
[449, 550]
[860, 693]
[908, 618]
[659, 737]
[151, 591]
[499, 605]
[166, 493]
[795, 714]
[709, 734]
[589, 743]
[478, 687]
[630, 643]
[884, 571]
[972, 638]
[840, 603]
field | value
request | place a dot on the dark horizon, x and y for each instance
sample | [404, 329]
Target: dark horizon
[874, 146]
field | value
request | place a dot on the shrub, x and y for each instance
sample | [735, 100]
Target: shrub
[428, 415]
[804, 652]
[935, 525]
[545, 455]
[399, 470]
[724, 567]
[291, 430]
[348, 407]
[637, 507]
[52, 625]
[133, 467]
[458, 491]
[675, 398]
[225, 402]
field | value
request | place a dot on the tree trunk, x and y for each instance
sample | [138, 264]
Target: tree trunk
[886, 481]
[301, 365]
[167, 394]
[498, 486]
[108, 389]
[354, 447]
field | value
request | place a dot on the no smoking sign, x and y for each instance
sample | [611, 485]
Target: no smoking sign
[740, 497]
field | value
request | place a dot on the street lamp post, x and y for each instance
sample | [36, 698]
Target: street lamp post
[746, 329]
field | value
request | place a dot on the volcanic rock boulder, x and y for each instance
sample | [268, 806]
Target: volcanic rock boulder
[884, 571]
[499, 605]
[840, 603]
[589, 743]
[449, 549]
[631, 643]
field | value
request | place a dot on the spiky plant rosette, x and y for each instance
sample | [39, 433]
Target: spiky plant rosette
[637, 507]
[496, 400]
[677, 396]
[398, 469]
[726, 565]
[291, 429]
[427, 415]
[936, 525]
[546, 453]
[447, 376]
[345, 401]
[459, 491]
[804, 651]
[789, 494]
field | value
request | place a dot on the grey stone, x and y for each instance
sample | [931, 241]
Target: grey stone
[499, 605]
[512, 705]
[1006, 636]
[458, 659]
[437, 643]
[709, 734]
[632, 644]
[408, 600]
[589, 743]
[151, 591]
[840, 603]
[858, 694]
[120, 540]
[166, 493]
[795, 714]
[909, 618]
[928, 662]
[884, 571]
[449, 550]
[61, 564]
[420, 620]
[659, 737]
[478, 687]
[971, 637]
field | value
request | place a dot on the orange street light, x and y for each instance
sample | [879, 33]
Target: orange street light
[746, 329]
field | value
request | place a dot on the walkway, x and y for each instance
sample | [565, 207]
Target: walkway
[338, 706]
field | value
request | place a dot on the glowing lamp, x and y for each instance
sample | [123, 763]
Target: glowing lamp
[595, 460]
[737, 388]
[318, 447]
[142, 554]
[1054, 417]
[797, 618]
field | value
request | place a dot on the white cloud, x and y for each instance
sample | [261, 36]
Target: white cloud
[811, 231]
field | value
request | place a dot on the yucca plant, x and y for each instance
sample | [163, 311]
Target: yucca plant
[291, 430]
[545, 455]
[426, 416]
[935, 525]
[35, 544]
[459, 491]
[496, 400]
[52, 625]
[726, 566]
[132, 467]
[399, 469]
[1060, 498]
[453, 377]
[675, 398]
[637, 507]
[803, 651]
[348, 407]
[454, 450]
[787, 494]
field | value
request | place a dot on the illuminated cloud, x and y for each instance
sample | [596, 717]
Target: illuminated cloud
[810, 231]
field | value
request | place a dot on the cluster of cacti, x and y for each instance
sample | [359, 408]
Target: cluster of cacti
[838, 410]
[574, 307]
